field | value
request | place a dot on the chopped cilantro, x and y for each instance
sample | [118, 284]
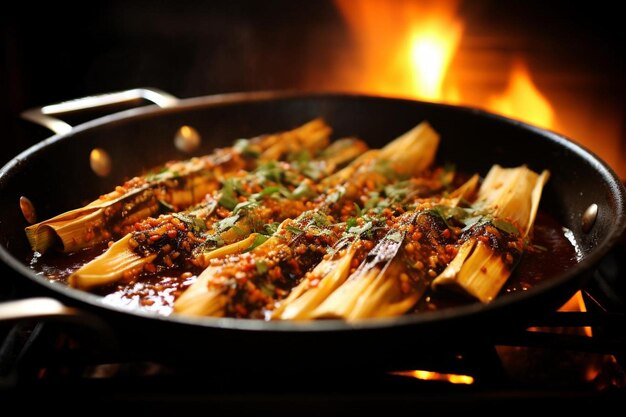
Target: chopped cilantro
[226, 223]
[294, 230]
[270, 171]
[360, 230]
[301, 191]
[459, 214]
[349, 236]
[305, 165]
[324, 232]
[258, 240]
[261, 267]
[245, 205]
[336, 195]
[228, 194]
[397, 192]
[373, 200]
[266, 191]
[439, 212]
[320, 219]
[195, 224]
[241, 144]
[505, 226]
[244, 147]
[313, 170]
[216, 240]
[474, 220]
[199, 224]
[254, 199]
[271, 228]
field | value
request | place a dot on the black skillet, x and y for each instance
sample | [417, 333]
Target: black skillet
[56, 176]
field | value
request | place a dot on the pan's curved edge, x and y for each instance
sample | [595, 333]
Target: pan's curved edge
[70, 294]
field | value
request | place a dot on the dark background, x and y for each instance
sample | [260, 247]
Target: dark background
[57, 51]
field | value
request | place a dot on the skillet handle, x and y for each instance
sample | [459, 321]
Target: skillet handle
[34, 308]
[42, 115]
[49, 309]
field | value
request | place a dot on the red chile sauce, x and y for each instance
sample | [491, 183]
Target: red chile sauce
[551, 254]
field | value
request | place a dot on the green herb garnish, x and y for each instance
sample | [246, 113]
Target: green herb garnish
[244, 147]
[258, 240]
[226, 223]
[360, 230]
[505, 226]
[245, 205]
[195, 224]
[397, 192]
[270, 171]
[320, 219]
[271, 228]
[474, 220]
[335, 196]
[228, 194]
[303, 190]
[294, 230]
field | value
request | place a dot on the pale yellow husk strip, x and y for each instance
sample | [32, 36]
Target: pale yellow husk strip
[375, 293]
[82, 227]
[201, 299]
[511, 194]
[409, 154]
[110, 266]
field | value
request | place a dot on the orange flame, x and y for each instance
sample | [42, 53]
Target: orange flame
[405, 47]
[436, 376]
[522, 100]
[577, 303]
[431, 50]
